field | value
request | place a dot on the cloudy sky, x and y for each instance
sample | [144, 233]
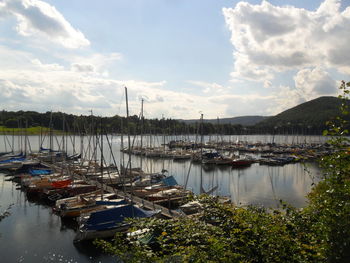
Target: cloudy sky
[222, 58]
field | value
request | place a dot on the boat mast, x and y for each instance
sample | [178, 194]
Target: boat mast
[163, 130]
[217, 131]
[101, 164]
[25, 139]
[13, 140]
[90, 136]
[51, 140]
[129, 143]
[141, 133]
[128, 129]
[122, 162]
[63, 131]
[201, 158]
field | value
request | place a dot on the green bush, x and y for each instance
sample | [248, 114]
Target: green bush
[11, 123]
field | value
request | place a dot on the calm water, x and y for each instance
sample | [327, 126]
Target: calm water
[34, 234]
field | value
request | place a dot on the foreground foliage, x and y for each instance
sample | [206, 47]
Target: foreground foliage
[222, 233]
[225, 233]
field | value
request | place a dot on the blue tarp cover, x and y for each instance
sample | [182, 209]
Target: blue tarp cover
[111, 218]
[169, 181]
[45, 149]
[211, 155]
[34, 172]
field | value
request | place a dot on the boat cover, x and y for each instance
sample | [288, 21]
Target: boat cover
[14, 155]
[111, 218]
[121, 202]
[169, 181]
[61, 184]
[34, 172]
[211, 155]
[13, 160]
[46, 149]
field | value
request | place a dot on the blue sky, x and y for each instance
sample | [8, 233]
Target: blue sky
[221, 58]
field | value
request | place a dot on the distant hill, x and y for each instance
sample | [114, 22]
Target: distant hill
[314, 113]
[242, 120]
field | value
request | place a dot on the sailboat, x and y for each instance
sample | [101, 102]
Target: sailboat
[105, 223]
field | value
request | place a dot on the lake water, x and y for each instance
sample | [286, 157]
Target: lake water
[34, 234]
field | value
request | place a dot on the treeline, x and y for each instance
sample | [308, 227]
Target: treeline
[116, 124]
[84, 124]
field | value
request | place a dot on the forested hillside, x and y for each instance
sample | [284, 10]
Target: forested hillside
[307, 118]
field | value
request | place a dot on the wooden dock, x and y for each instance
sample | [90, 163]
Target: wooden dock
[134, 199]
[170, 213]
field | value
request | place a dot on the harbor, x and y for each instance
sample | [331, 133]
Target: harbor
[257, 183]
[174, 131]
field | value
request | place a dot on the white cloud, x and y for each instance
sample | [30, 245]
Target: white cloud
[208, 88]
[95, 62]
[12, 93]
[29, 83]
[50, 67]
[246, 70]
[239, 105]
[38, 18]
[312, 83]
[267, 40]
[267, 84]
[283, 99]
[270, 39]
[82, 67]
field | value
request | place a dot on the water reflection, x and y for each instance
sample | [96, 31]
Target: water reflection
[32, 233]
[250, 185]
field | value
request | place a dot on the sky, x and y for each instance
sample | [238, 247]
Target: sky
[182, 57]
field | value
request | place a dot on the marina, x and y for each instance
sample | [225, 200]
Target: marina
[257, 183]
[174, 131]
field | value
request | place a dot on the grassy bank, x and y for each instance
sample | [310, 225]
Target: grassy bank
[29, 131]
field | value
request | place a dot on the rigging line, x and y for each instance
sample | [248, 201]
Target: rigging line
[112, 155]
[58, 143]
[43, 139]
[120, 104]
[84, 150]
[29, 146]
[147, 166]
[5, 140]
[188, 175]
[70, 136]
[137, 126]
[102, 159]
[8, 143]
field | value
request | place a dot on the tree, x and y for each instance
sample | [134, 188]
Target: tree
[330, 199]
[11, 123]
